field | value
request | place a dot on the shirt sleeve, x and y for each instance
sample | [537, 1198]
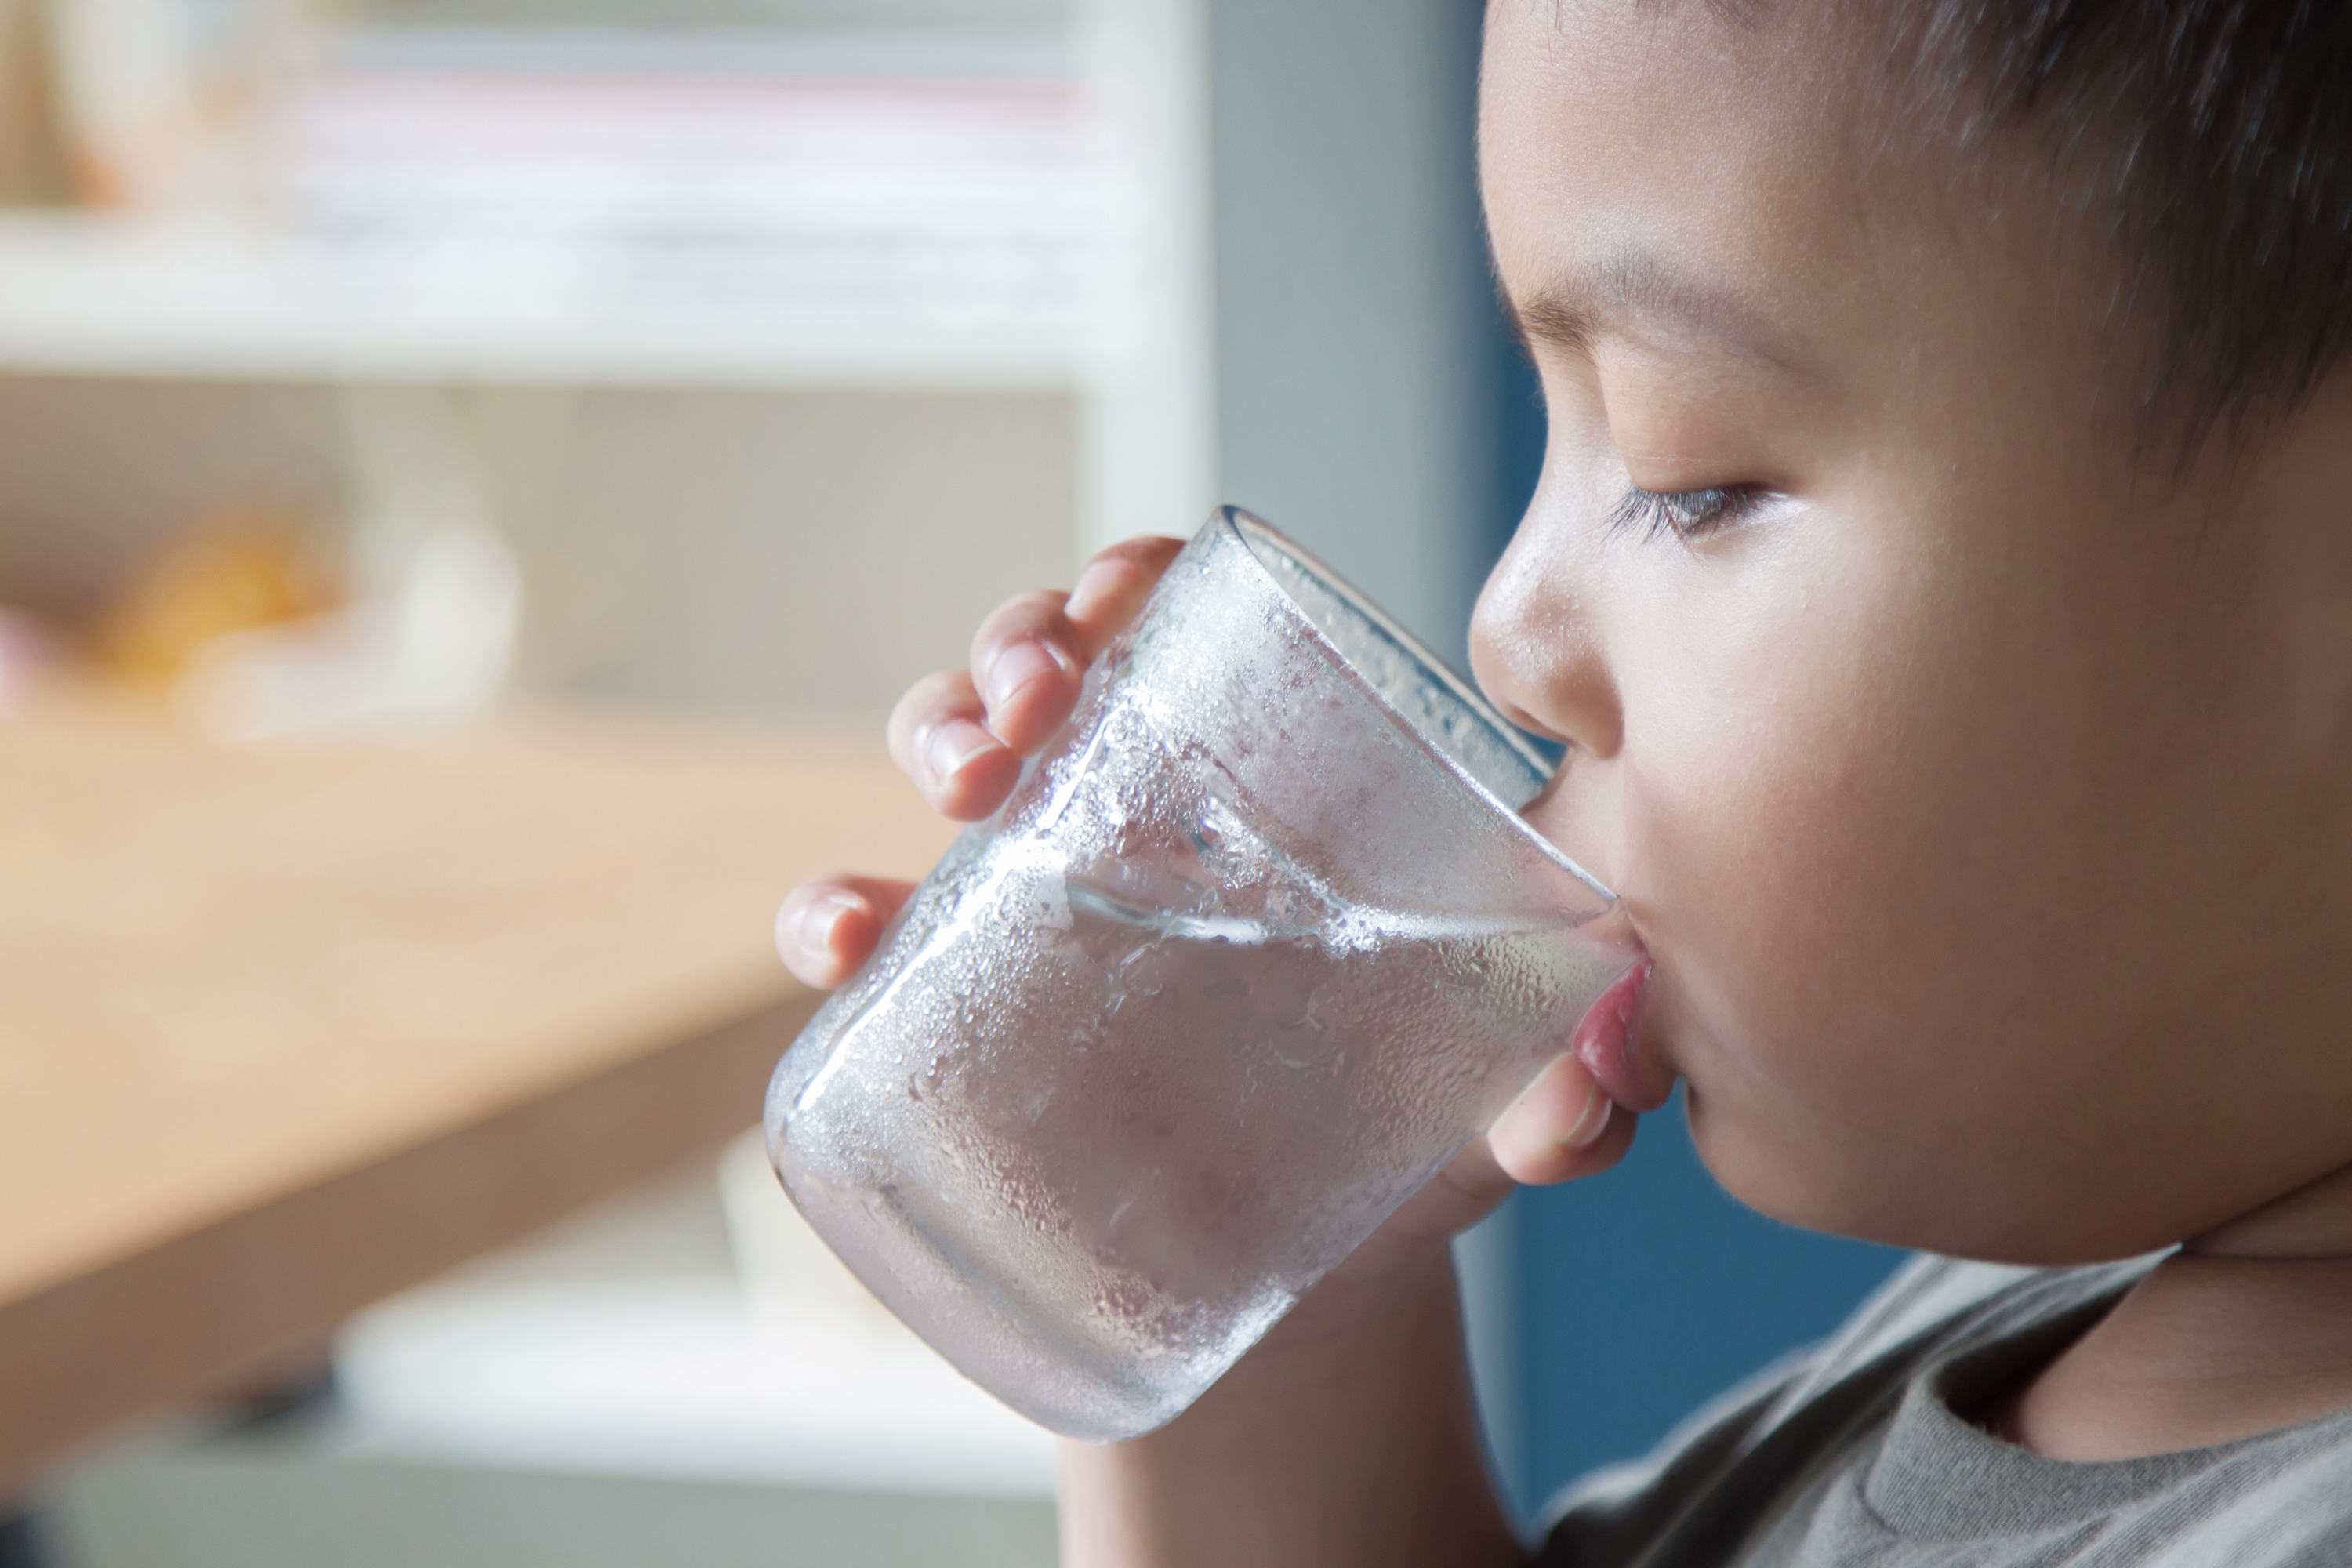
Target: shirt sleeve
[1719, 1461]
[1609, 1518]
[2289, 1507]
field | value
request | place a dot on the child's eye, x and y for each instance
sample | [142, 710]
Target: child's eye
[1684, 514]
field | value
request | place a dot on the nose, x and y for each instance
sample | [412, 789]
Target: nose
[1536, 643]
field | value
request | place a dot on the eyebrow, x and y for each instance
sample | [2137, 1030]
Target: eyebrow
[1574, 311]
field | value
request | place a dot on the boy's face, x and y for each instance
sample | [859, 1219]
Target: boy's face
[1980, 804]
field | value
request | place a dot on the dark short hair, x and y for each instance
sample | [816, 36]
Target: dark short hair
[2212, 140]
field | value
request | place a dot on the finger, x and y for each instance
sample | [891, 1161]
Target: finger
[938, 738]
[1029, 659]
[828, 925]
[1563, 1125]
[1027, 663]
[1462, 1193]
[1537, 1145]
[1425, 1224]
[1113, 587]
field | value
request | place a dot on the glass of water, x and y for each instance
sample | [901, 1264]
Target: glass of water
[1258, 944]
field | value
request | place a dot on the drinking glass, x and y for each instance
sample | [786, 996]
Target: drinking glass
[1258, 942]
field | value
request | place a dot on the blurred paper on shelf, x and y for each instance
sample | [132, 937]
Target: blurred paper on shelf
[594, 192]
[949, 172]
[955, 177]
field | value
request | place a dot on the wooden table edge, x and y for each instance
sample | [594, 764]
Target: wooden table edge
[237, 1299]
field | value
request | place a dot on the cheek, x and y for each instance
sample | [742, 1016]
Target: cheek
[1917, 834]
[1763, 796]
[1827, 837]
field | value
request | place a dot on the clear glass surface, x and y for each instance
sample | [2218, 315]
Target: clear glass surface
[1258, 944]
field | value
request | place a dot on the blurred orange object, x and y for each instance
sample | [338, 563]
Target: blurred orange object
[232, 573]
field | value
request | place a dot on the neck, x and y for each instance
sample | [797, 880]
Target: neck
[2246, 1329]
[2311, 1224]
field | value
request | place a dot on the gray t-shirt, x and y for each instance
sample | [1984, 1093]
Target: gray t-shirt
[1850, 1454]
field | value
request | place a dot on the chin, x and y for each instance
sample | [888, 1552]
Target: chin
[1971, 1214]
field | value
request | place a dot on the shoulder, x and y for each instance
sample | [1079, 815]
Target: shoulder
[2283, 1500]
[1736, 1458]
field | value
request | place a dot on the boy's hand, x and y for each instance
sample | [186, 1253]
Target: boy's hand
[960, 735]
[1360, 1392]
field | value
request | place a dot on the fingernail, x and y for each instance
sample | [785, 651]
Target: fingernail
[952, 746]
[1015, 667]
[1590, 1124]
[823, 916]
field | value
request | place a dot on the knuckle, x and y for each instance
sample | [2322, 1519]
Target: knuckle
[1038, 605]
[1033, 613]
[1143, 548]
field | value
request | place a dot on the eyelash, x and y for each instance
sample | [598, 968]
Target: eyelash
[1685, 515]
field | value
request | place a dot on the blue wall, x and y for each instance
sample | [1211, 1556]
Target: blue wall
[1647, 1290]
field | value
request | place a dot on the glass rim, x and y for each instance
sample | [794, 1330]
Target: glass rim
[1243, 524]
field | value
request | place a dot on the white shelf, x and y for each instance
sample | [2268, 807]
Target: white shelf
[672, 1377]
[210, 301]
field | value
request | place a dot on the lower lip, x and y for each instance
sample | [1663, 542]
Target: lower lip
[1603, 1040]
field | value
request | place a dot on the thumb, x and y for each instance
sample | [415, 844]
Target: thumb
[1562, 1126]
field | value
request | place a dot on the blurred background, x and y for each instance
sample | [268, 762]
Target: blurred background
[385, 366]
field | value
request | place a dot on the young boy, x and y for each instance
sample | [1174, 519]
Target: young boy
[1942, 578]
